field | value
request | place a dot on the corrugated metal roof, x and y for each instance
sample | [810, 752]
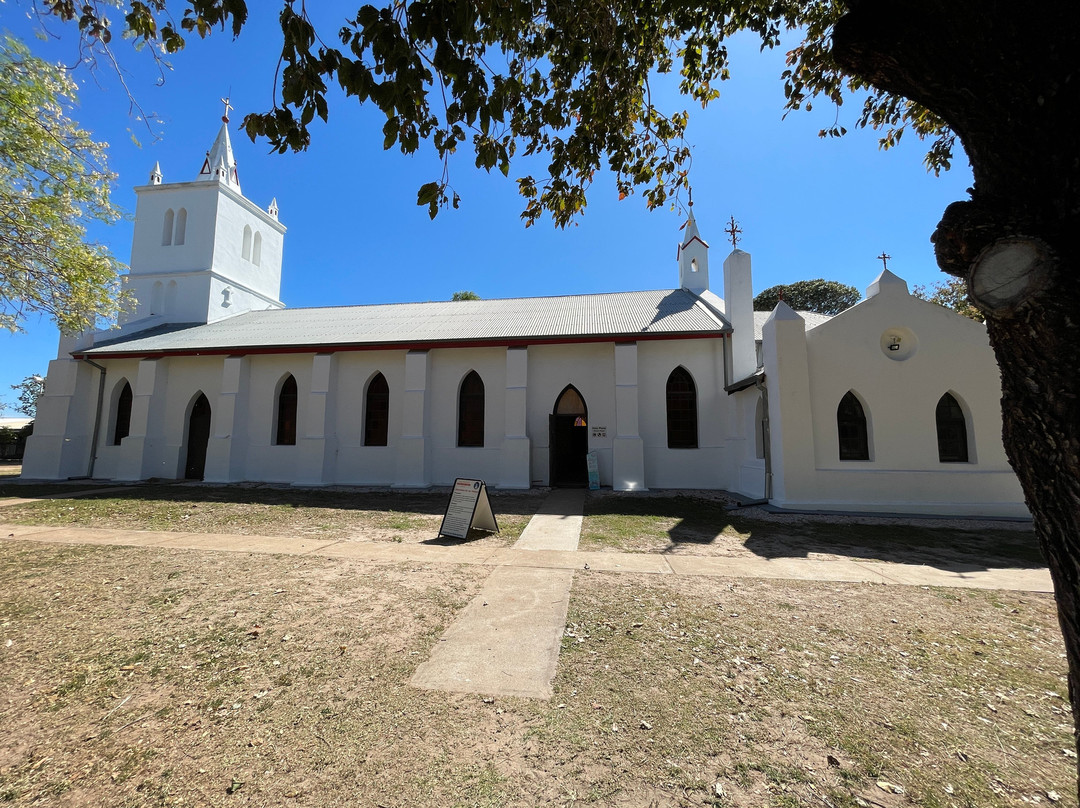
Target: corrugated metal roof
[619, 314]
[812, 318]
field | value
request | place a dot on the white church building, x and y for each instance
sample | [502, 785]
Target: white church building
[890, 406]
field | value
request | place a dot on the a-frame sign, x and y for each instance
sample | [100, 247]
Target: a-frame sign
[468, 508]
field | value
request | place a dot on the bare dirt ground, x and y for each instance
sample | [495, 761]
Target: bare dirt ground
[151, 677]
[353, 514]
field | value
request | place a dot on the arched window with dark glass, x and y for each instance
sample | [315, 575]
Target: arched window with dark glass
[952, 443]
[286, 413]
[122, 419]
[471, 411]
[376, 411]
[851, 428]
[681, 410]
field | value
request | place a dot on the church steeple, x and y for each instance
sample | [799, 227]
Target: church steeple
[693, 257]
[220, 164]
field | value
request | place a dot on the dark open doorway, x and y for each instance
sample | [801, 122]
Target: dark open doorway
[198, 436]
[568, 440]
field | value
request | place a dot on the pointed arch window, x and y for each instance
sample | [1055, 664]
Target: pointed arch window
[256, 249]
[951, 431]
[681, 410]
[851, 428]
[167, 228]
[471, 411]
[246, 251]
[376, 411]
[286, 413]
[181, 226]
[122, 414]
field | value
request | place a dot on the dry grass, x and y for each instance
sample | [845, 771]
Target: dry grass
[147, 677]
[358, 514]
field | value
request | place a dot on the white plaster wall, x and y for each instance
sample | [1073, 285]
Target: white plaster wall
[708, 466]
[109, 457]
[447, 460]
[257, 425]
[590, 367]
[899, 398]
[232, 214]
[187, 376]
[148, 256]
[358, 464]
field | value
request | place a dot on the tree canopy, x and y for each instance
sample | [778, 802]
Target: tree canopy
[53, 182]
[820, 295]
[30, 390]
[465, 294]
[570, 79]
[952, 294]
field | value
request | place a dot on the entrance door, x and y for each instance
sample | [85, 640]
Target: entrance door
[198, 436]
[568, 440]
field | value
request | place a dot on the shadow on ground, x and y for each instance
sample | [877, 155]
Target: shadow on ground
[708, 523]
[363, 499]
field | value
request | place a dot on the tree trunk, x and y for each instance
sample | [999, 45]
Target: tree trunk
[1006, 80]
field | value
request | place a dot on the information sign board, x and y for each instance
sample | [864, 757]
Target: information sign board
[469, 507]
[593, 465]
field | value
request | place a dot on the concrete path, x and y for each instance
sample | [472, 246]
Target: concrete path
[799, 569]
[557, 524]
[506, 642]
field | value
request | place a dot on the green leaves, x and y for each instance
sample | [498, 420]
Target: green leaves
[822, 296]
[565, 78]
[53, 182]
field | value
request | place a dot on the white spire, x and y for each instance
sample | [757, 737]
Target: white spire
[693, 257]
[690, 231]
[273, 209]
[155, 175]
[220, 165]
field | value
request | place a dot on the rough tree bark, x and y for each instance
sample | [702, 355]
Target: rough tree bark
[1005, 77]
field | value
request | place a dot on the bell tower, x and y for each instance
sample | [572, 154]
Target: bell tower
[693, 257]
[202, 251]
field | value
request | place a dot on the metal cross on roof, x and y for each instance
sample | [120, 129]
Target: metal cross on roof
[885, 259]
[228, 106]
[733, 231]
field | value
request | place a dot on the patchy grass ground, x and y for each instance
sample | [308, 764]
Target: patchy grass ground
[358, 514]
[705, 526]
[151, 677]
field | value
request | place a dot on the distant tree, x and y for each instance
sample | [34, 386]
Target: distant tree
[465, 294]
[30, 390]
[822, 296]
[53, 182]
[952, 294]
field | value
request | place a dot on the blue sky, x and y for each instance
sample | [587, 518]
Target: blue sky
[808, 207]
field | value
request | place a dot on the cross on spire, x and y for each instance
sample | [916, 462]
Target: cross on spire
[733, 230]
[228, 106]
[885, 259]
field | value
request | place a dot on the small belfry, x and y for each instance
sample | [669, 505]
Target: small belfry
[693, 256]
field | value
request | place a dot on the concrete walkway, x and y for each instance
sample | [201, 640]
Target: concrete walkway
[799, 569]
[506, 642]
[557, 524]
